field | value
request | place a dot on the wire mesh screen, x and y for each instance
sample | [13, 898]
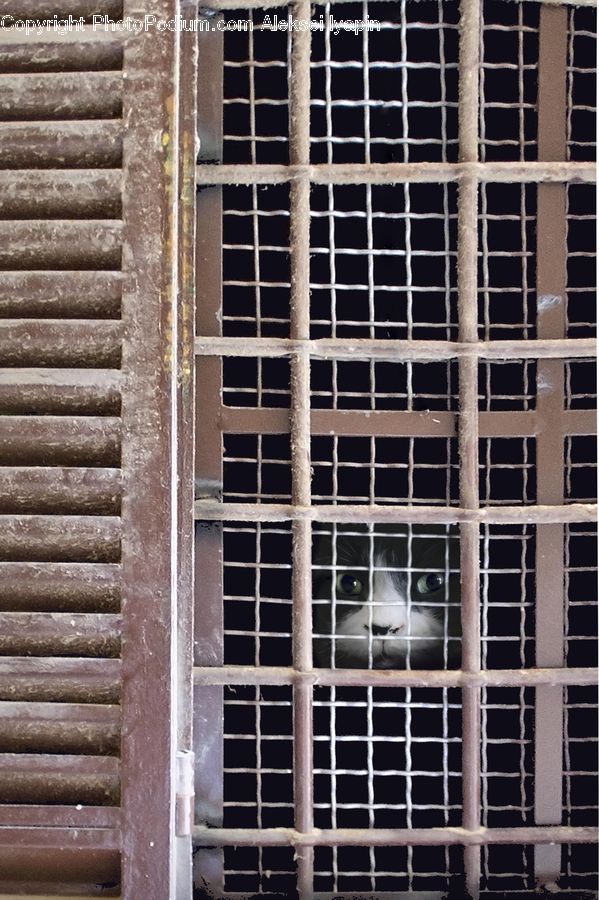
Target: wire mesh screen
[403, 399]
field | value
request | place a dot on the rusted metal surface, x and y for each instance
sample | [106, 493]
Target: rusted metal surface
[60, 491]
[86, 49]
[397, 173]
[63, 145]
[468, 111]
[60, 95]
[60, 679]
[208, 582]
[76, 295]
[60, 244]
[397, 350]
[392, 677]
[378, 837]
[78, 193]
[58, 779]
[150, 467]
[551, 283]
[94, 344]
[294, 417]
[275, 512]
[63, 816]
[56, 391]
[403, 423]
[188, 61]
[60, 538]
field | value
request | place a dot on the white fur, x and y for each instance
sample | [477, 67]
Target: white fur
[411, 626]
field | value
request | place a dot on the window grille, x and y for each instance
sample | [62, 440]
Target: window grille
[395, 329]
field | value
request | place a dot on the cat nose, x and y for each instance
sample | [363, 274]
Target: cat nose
[380, 629]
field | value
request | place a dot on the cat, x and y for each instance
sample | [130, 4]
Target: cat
[385, 598]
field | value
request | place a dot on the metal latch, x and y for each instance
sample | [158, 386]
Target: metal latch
[184, 797]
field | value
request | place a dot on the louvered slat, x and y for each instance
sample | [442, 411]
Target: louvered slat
[60, 439]
[86, 383]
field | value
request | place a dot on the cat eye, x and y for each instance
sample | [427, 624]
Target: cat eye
[349, 584]
[428, 584]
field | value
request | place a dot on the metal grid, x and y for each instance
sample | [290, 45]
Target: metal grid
[364, 420]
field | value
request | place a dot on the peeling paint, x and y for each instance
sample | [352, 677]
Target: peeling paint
[548, 301]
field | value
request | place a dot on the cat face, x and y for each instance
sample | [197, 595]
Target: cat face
[387, 598]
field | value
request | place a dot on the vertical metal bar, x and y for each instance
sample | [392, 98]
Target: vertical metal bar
[468, 112]
[185, 422]
[551, 298]
[299, 154]
[149, 513]
[209, 622]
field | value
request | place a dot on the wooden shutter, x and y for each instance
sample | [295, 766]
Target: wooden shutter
[93, 388]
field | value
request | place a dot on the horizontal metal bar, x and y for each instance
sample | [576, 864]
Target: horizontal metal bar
[50, 342]
[60, 838]
[60, 538]
[390, 837]
[61, 145]
[399, 351]
[393, 173]
[38, 391]
[400, 423]
[441, 678]
[60, 440]
[74, 193]
[60, 679]
[60, 243]
[81, 634]
[280, 512]
[55, 586]
[60, 95]
[59, 815]
[56, 490]
[60, 294]
[76, 728]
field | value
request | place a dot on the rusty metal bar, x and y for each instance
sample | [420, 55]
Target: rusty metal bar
[399, 351]
[149, 460]
[61, 440]
[491, 515]
[209, 613]
[57, 490]
[299, 154]
[551, 305]
[60, 244]
[62, 194]
[65, 295]
[60, 538]
[393, 677]
[392, 837]
[468, 112]
[92, 586]
[61, 145]
[87, 48]
[398, 173]
[60, 391]
[60, 95]
[60, 679]
[185, 443]
[85, 344]
[63, 816]
[403, 423]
